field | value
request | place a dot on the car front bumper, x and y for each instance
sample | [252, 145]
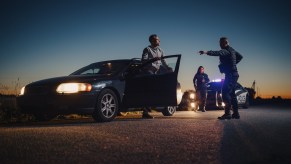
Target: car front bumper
[81, 103]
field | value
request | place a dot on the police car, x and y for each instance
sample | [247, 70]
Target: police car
[214, 95]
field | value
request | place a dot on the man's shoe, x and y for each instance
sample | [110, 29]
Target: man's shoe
[235, 116]
[225, 117]
[147, 116]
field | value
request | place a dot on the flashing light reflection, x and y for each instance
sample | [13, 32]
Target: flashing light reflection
[192, 105]
[217, 80]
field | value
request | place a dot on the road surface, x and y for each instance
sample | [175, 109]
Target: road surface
[262, 135]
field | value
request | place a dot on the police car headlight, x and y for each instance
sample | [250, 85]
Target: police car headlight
[192, 104]
[192, 96]
[74, 87]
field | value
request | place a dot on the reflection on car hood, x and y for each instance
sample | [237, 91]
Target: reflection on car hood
[71, 79]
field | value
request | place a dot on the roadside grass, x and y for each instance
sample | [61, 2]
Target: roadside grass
[10, 112]
[7, 108]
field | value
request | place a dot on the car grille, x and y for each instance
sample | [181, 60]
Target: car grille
[37, 90]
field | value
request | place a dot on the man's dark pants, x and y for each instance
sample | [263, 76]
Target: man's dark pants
[228, 93]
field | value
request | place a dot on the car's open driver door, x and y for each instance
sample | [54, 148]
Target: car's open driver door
[153, 90]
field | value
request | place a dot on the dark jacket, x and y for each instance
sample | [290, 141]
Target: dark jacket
[198, 81]
[229, 57]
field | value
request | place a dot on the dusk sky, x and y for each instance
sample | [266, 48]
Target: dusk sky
[48, 38]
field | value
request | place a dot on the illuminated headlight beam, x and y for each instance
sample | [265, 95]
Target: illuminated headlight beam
[22, 90]
[192, 105]
[192, 96]
[74, 87]
[179, 96]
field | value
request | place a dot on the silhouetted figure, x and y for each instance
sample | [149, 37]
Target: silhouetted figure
[150, 52]
[200, 81]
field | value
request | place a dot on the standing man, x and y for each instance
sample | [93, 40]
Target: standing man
[154, 51]
[200, 81]
[228, 59]
[150, 52]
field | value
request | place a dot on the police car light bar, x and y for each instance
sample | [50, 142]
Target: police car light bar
[217, 80]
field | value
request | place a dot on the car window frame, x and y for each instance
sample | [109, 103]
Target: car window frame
[138, 71]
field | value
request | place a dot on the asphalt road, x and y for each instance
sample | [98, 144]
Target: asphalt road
[262, 135]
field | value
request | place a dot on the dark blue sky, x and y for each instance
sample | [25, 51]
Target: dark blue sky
[45, 38]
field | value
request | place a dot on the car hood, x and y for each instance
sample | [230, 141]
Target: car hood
[72, 79]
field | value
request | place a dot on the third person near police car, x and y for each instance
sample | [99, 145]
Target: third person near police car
[228, 60]
[200, 81]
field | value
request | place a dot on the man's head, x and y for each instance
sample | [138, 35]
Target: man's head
[154, 40]
[223, 42]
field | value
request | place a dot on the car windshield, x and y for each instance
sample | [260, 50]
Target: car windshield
[102, 68]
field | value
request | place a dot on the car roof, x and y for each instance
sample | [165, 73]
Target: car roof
[119, 60]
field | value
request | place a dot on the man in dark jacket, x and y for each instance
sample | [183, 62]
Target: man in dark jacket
[200, 81]
[228, 59]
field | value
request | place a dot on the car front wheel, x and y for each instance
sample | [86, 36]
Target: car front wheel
[169, 111]
[106, 107]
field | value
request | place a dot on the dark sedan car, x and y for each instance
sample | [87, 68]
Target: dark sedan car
[214, 95]
[103, 89]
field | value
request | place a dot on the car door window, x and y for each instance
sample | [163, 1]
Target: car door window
[168, 67]
[90, 71]
[167, 64]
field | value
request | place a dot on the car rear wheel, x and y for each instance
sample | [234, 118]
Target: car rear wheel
[107, 106]
[169, 111]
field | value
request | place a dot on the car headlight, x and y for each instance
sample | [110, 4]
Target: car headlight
[192, 96]
[192, 104]
[22, 90]
[73, 87]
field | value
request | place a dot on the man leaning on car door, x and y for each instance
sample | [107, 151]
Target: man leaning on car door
[150, 52]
